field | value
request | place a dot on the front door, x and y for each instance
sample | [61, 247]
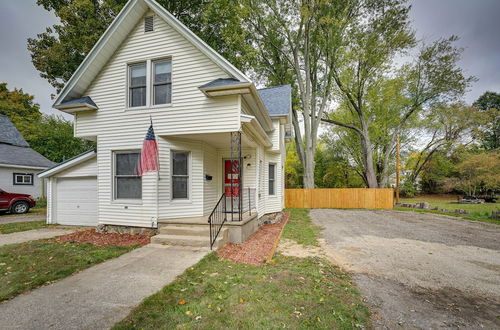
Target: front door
[231, 178]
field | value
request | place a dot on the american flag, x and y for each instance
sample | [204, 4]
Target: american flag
[149, 153]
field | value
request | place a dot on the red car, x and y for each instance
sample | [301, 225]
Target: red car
[16, 203]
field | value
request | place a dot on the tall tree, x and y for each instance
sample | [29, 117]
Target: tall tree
[446, 127]
[296, 41]
[433, 76]
[20, 109]
[52, 136]
[49, 135]
[57, 52]
[489, 102]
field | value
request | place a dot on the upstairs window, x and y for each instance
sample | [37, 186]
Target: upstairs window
[162, 82]
[137, 85]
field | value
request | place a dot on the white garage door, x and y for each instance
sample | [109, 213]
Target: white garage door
[76, 201]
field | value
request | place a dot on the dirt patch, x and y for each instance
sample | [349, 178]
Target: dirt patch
[415, 270]
[100, 239]
[257, 248]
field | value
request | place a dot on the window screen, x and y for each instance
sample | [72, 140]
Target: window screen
[272, 179]
[137, 85]
[128, 184]
[180, 174]
[162, 83]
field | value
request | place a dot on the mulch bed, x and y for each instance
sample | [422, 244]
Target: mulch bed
[99, 239]
[258, 247]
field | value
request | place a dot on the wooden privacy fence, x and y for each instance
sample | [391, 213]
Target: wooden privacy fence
[342, 198]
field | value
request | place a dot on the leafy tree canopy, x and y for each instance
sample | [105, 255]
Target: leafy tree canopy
[489, 102]
[51, 136]
[57, 52]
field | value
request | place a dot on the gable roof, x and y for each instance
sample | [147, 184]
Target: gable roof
[113, 37]
[9, 133]
[22, 156]
[68, 163]
[277, 99]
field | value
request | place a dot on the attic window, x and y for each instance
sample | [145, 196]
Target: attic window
[149, 24]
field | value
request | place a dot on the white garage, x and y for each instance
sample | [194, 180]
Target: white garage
[72, 191]
[76, 201]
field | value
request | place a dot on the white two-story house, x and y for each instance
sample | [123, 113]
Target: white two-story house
[221, 140]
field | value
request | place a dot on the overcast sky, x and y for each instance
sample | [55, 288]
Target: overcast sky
[476, 22]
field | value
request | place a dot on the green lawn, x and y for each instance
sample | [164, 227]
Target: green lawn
[29, 265]
[7, 228]
[296, 293]
[478, 212]
[300, 228]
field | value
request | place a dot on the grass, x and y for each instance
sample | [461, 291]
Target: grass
[477, 212]
[295, 293]
[13, 227]
[300, 228]
[29, 265]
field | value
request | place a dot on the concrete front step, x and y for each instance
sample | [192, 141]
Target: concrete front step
[198, 236]
[186, 240]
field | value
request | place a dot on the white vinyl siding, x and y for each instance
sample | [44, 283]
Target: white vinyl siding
[119, 128]
[190, 111]
[6, 181]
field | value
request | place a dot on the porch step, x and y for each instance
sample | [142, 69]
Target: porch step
[198, 236]
[185, 240]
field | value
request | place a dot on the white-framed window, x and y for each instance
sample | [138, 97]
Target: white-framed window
[25, 179]
[137, 85]
[127, 181]
[272, 179]
[180, 174]
[162, 82]
[149, 83]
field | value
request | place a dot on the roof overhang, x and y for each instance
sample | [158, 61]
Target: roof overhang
[113, 37]
[67, 164]
[248, 91]
[254, 126]
[23, 166]
[77, 107]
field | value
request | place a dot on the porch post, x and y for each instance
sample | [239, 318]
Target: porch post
[236, 168]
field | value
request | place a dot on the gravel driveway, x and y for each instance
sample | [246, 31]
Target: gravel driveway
[418, 270]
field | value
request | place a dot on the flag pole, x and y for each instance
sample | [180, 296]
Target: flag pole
[157, 175]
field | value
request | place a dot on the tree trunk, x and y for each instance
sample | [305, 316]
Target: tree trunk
[366, 150]
[309, 166]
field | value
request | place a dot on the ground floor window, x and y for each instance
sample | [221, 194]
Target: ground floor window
[272, 179]
[180, 174]
[23, 179]
[127, 181]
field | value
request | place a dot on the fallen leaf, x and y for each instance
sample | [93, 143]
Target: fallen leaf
[182, 302]
[242, 300]
[188, 313]
[276, 310]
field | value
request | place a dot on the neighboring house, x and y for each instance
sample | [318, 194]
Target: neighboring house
[19, 164]
[211, 122]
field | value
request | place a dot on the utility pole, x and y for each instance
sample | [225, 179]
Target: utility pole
[398, 167]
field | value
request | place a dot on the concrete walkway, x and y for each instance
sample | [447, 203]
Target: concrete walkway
[10, 218]
[32, 235]
[100, 296]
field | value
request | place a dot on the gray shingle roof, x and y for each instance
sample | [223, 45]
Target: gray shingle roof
[81, 100]
[222, 82]
[9, 133]
[277, 99]
[15, 155]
